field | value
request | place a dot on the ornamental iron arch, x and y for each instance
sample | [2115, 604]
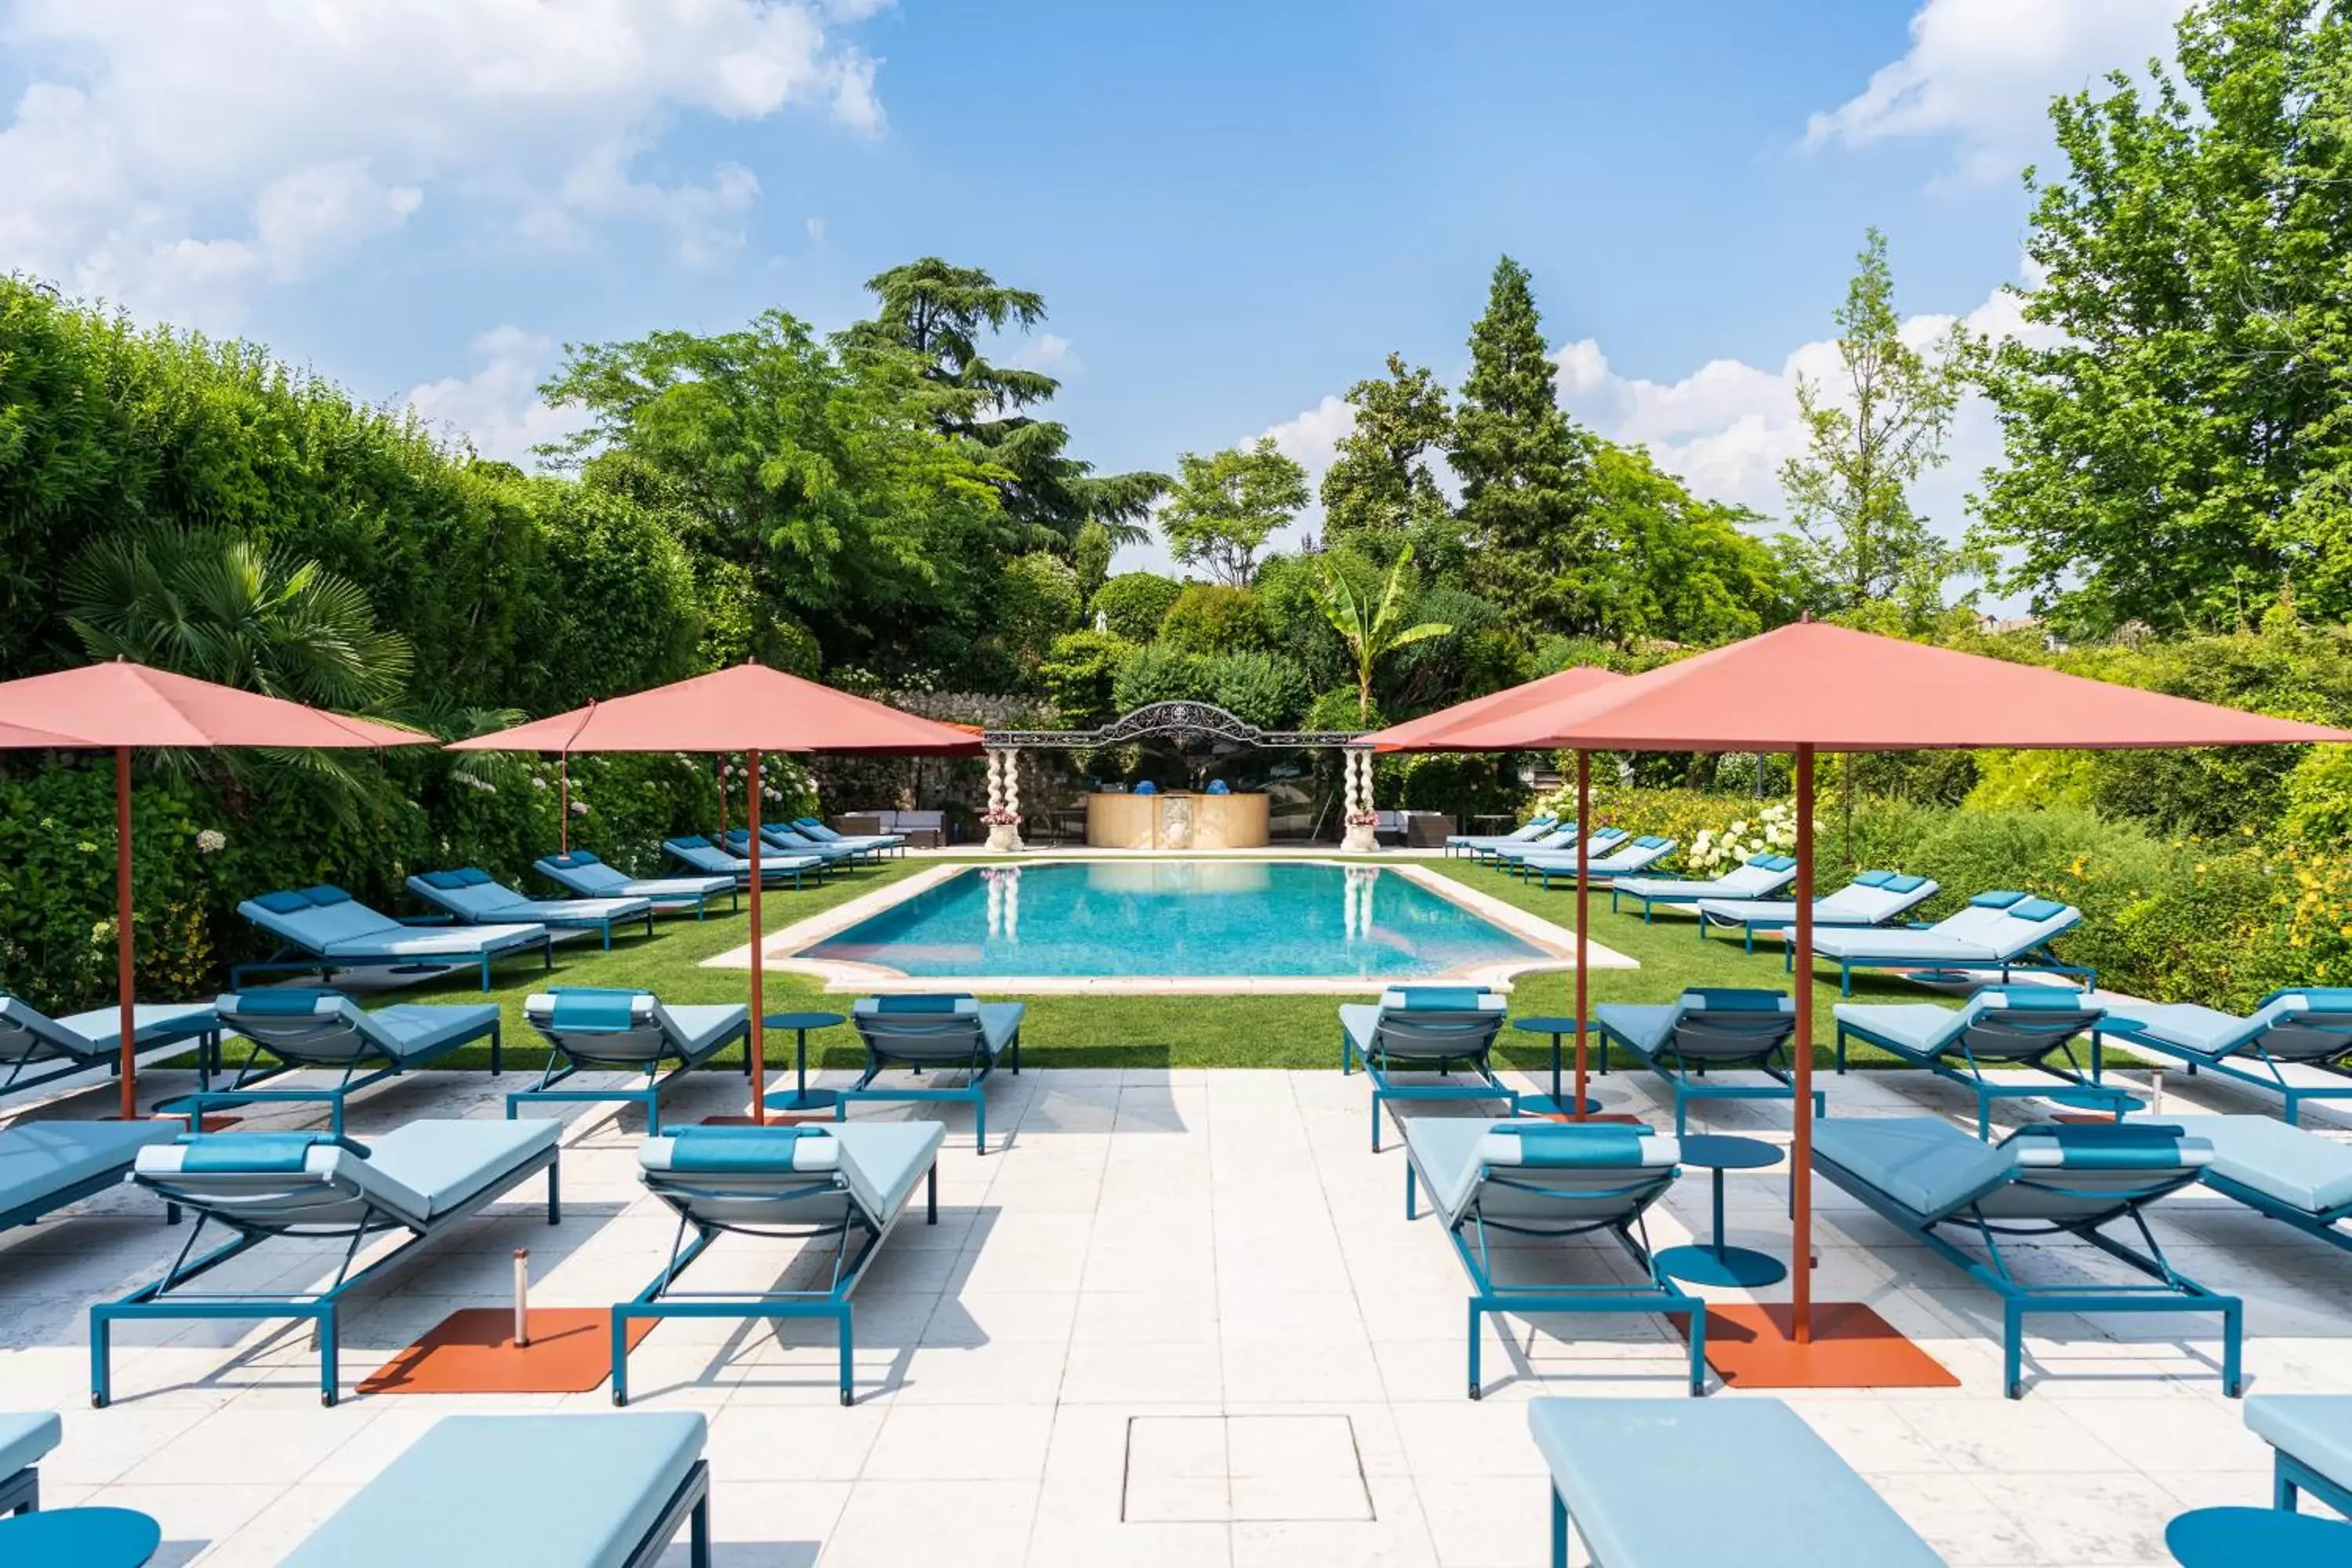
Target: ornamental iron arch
[1178, 717]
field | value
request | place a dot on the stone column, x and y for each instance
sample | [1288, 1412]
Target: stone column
[1360, 840]
[1004, 796]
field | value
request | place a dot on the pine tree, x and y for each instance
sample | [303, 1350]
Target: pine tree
[1524, 471]
[1379, 495]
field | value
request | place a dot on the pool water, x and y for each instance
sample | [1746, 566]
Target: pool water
[1170, 918]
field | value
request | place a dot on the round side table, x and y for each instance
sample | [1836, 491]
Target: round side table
[2257, 1538]
[1716, 1263]
[803, 1098]
[1559, 1103]
[78, 1538]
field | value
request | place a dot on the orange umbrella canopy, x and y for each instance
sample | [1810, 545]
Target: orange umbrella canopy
[1836, 689]
[124, 704]
[1433, 731]
[747, 708]
[16, 737]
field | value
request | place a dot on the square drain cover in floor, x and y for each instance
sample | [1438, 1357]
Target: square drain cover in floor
[1223, 1469]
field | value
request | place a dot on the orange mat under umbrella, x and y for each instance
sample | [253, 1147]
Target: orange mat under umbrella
[119, 706]
[1810, 687]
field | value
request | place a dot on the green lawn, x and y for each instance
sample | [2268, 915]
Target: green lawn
[1147, 1031]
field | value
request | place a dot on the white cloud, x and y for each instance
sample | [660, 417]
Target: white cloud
[1045, 352]
[173, 157]
[496, 410]
[1983, 73]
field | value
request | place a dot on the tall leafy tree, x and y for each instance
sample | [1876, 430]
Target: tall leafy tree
[1379, 493]
[1688, 570]
[1226, 506]
[1869, 437]
[942, 315]
[1523, 465]
[2180, 441]
[1373, 628]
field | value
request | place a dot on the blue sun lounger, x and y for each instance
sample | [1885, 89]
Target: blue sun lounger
[37, 1049]
[935, 1032]
[2004, 931]
[590, 1027]
[421, 1179]
[1758, 877]
[1630, 857]
[2007, 1027]
[843, 1185]
[1872, 899]
[1527, 832]
[583, 876]
[1498, 1185]
[1424, 1029]
[1709, 1029]
[1731, 1483]
[334, 930]
[304, 1027]
[45, 1165]
[26, 1439]
[2310, 1436]
[2283, 1173]
[620, 1490]
[1602, 843]
[776, 842]
[877, 845]
[1560, 838]
[2310, 1026]
[1928, 1178]
[471, 894]
[702, 856]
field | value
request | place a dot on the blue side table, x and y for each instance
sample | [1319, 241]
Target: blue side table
[1716, 1263]
[78, 1538]
[2257, 1538]
[1559, 1102]
[803, 1098]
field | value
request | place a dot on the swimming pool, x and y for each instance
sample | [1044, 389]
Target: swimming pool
[1156, 918]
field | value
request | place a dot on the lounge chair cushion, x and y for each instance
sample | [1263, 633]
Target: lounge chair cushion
[2298, 1168]
[25, 1438]
[999, 1021]
[456, 1499]
[98, 1031]
[1769, 1492]
[1450, 1151]
[694, 1030]
[2315, 1428]
[1361, 1020]
[406, 1031]
[1923, 1162]
[879, 1163]
[38, 1159]
[1749, 881]
[419, 1171]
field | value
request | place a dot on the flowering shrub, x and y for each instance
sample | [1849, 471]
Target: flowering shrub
[997, 816]
[1772, 830]
[1363, 819]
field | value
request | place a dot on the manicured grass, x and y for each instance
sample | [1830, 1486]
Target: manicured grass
[1153, 1031]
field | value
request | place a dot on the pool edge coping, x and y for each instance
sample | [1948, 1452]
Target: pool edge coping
[782, 950]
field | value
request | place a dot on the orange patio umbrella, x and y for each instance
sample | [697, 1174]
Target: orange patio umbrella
[1810, 687]
[749, 708]
[1429, 733]
[121, 705]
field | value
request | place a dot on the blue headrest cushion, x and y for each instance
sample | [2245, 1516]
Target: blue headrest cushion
[473, 876]
[593, 1007]
[576, 858]
[1219, 786]
[2318, 998]
[928, 1002]
[283, 1001]
[2049, 998]
[326, 894]
[1147, 788]
[2000, 899]
[1873, 878]
[262, 1151]
[1441, 998]
[737, 1148]
[1735, 999]
[1782, 862]
[2037, 910]
[1652, 841]
[808, 822]
[285, 903]
[443, 878]
[1566, 1145]
[695, 841]
[2108, 1146]
[1895, 884]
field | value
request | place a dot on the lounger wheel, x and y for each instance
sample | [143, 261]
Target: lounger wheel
[848, 1398]
[1475, 1391]
[98, 1402]
[326, 1397]
[619, 1397]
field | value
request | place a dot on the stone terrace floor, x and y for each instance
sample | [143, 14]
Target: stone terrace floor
[1181, 1319]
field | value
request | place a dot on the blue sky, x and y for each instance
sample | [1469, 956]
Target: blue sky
[1233, 210]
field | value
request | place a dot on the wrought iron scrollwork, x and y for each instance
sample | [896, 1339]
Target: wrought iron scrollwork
[1179, 717]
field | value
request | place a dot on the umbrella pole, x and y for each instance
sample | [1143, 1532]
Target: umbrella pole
[1800, 1174]
[755, 1046]
[125, 984]
[1583, 914]
[564, 802]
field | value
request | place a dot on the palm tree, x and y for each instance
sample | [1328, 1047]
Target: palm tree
[1372, 632]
